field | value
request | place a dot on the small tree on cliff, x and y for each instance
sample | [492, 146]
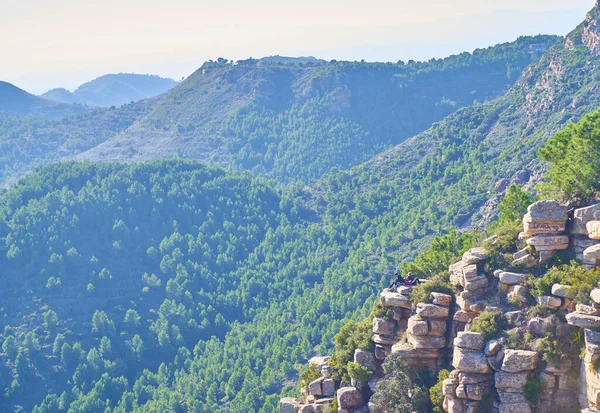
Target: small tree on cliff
[398, 393]
[573, 154]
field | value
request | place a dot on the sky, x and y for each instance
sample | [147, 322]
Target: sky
[64, 43]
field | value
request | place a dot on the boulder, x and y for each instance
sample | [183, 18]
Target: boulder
[519, 293]
[475, 255]
[528, 261]
[514, 317]
[432, 311]
[470, 362]
[520, 254]
[587, 309]
[349, 397]
[559, 369]
[543, 211]
[541, 326]
[442, 299]
[326, 372]
[516, 361]
[314, 387]
[592, 254]
[512, 278]
[319, 361]
[476, 283]
[328, 387]
[561, 290]
[391, 299]
[514, 408]
[417, 326]
[581, 216]
[506, 380]
[583, 320]
[437, 327]
[511, 396]
[382, 326]
[463, 316]
[549, 242]
[307, 408]
[381, 351]
[366, 359]
[492, 347]
[449, 387]
[549, 301]
[288, 405]
[477, 391]
[407, 351]
[469, 341]
[373, 382]
[427, 341]
[593, 229]
[456, 406]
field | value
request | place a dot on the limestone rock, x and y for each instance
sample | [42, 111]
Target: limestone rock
[442, 299]
[514, 408]
[469, 341]
[548, 301]
[432, 311]
[456, 406]
[385, 327]
[464, 316]
[366, 359]
[407, 351]
[326, 372]
[288, 405]
[512, 278]
[521, 253]
[319, 361]
[516, 361]
[475, 255]
[314, 388]
[349, 397]
[541, 326]
[373, 382]
[437, 327]
[514, 317]
[476, 283]
[583, 320]
[470, 362]
[381, 351]
[542, 211]
[528, 261]
[391, 299]
[307, 408]
[549, 242]
[427, 341]
[417, 326]
[328, 387]
[560, 369]
[581, 216]
[592, 254]
[519, 293]
[477, 391]
[506, 380]
[593, 229]
[587, 309]
[561, 290]
[492, 347]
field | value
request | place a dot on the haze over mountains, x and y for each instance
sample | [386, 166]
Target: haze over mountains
[113, 90]
[173, 285]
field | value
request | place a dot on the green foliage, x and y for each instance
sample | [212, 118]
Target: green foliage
[580, 280]
[10, 347]
[358, 372]
[519, 340]
[435, 392]
[490, 324]
[308, 375]
[397, 393]
[533, 388]
[573, 155]
[352, 336]
[439, 283]
[380, 311]
[440, 253]
[514, 205]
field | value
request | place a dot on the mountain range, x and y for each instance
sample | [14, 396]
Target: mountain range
[172, 285]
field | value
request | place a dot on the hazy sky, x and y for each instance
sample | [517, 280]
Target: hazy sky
[51, 43]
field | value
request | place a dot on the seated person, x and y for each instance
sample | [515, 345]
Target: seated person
[398, 281]
[412, 280]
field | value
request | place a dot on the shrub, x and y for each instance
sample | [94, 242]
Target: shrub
[532, 388]
[308, 375]
[358, 372]
[582, 281]
[488, 323]
[518, 340]
[397, 392]
[352, 336]
[435, 393]
[381, 311]
[514, 205]
[439, 283]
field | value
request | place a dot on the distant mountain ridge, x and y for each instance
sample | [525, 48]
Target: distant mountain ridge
[113, 90]
[17, 102]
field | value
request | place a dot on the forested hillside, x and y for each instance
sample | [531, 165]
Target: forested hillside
[113, 90]
[296, 121]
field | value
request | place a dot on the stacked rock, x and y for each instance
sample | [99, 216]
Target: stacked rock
[510, 283]
[469, 276]
[513, 368]
[544, 225]
[578, 231]
[426, 335]
[350, 400]
[589, 375]
[320, 391]
[587, 316]
[472, 380]
[560, 298]
[386, 333]
[591, 255]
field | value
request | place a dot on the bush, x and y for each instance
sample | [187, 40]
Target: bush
[381, 311]
[514, 205]
[519, 341]
[352, 336]
[435, 393]
[488, 323]
[582, 281]
[308, 375]
[358, 372]
[397, 392]
[532, 388]
[439, 283]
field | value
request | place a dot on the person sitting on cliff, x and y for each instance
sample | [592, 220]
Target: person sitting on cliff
[411, 280]
[398, 282]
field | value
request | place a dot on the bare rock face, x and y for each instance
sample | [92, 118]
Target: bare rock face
[592, 255]
[288, 405]
[328, 387]
[583, 320]
[527, 261]
[549, 242]
[469, 341]
[475, 255]
[427, 341]
[366, 359]
[549, 302]
[385, 327]
[417, 326]
[442, 299]
[319, 361]
[516, 361]
[581, 217]
[519, 293]
[512, 278]
[349, 397]
[561, 290]
[392, 299]
[542, 211]
[593, 229]
[432, 311]
[470, 362]
[314, 388]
